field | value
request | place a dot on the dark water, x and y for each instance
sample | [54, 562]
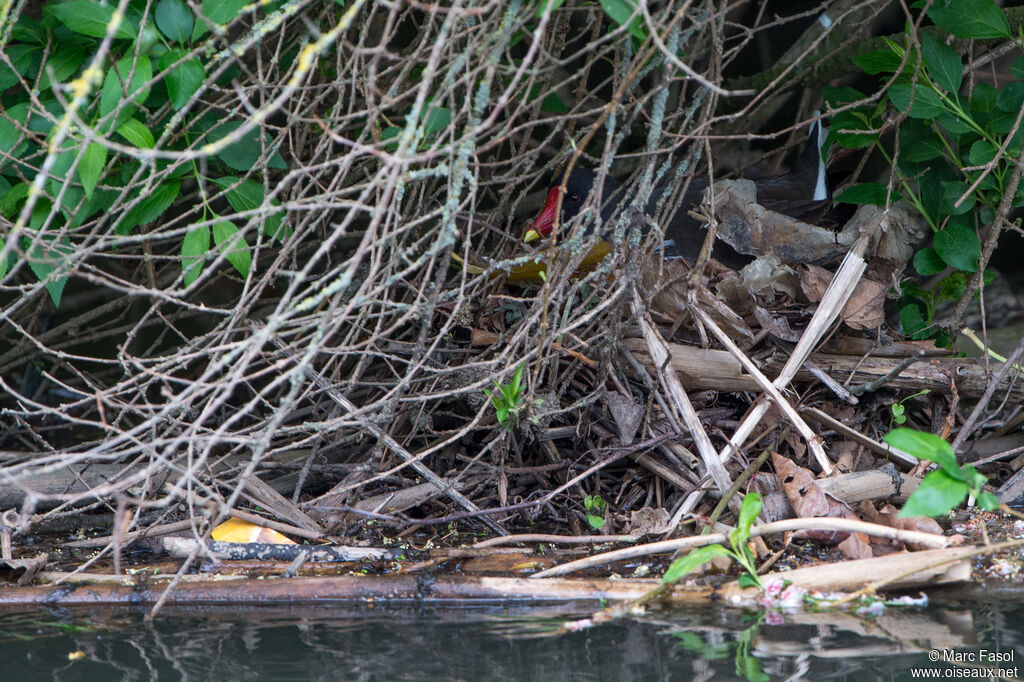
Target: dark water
[346, 643]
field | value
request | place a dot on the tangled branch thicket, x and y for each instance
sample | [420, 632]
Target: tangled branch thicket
[393, 138]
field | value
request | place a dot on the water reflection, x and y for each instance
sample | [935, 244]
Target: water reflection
[340, 642]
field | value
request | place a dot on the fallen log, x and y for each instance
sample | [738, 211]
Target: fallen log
[928, 568]
[708, 368]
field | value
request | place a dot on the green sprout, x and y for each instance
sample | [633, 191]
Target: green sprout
[946, 487]
[508, 400]
[899, 410]
[739, 553]
[595, 506]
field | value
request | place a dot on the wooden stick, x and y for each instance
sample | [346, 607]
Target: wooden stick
[813, 440]
[414, 461]
[677, 396]
[836, 295]
[846, 525]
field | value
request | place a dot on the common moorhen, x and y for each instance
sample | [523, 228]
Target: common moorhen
[797, 193]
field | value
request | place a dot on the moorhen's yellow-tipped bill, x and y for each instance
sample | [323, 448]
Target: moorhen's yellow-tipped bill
[795, 193]
[577, 188]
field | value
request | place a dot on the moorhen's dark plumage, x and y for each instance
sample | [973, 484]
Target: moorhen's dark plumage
[795, 193]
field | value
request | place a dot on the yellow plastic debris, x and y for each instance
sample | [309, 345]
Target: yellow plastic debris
[236, 530]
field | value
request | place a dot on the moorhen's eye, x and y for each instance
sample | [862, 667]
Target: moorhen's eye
[574, 198]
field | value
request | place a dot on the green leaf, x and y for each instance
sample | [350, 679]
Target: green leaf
[959, 246]
[952, 287]
[174, 19]
[72, 200]
[244, 154]
[926, 104]
[836, 97]
[10, 135]
[1011, 97]
[39, 122]
[62, 64]
[970, 18]
[90, 18]
[620, 11]
[686, 564]
[25, 59]
[953, 123]
[1017, 68]
[44, 256]
[747, 580]
[930, 190]
[27, 30]
[90, 166]
[222, 11]
[952, 191]
[943, 63]
[150, 208]
[988, 501]
[193, 250]
[937, 494]
[982, 151]
[10, 204]
[553, 104]
[984, 99]
[436, 120]
[878, 61]
[517, 380]
[66, 156]
[974, 478]
[184, 79]
[927, 262]
[249, 196]
[923, 445]
[845, 126]
[136, 90]
[389, 137]
[913, 322]
[595, 521]
[101, 200]
[866, 193]
[219, 12]
[545, 4]
[749, 668]
[136, 133]
[3, 259]
[919, 142]
[230, 241]
[749, 510]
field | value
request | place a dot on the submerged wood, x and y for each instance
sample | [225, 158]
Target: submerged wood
[386, 588]
[422, 588]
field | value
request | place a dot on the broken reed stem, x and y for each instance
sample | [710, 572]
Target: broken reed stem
[677, 396]
[813, 440]
[836, 295]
